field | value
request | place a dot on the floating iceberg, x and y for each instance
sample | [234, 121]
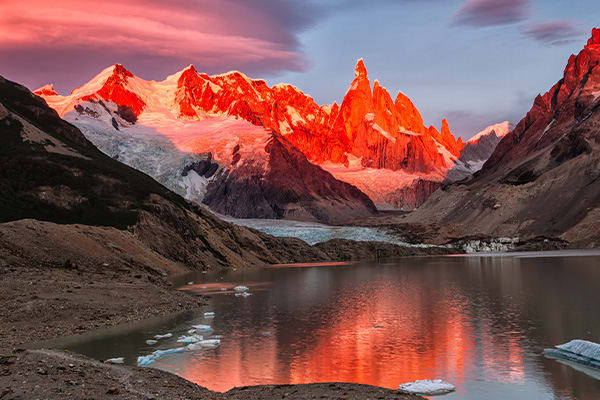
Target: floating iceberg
[118, 360]
[204, 344]
[240, 288]
[427, 387]
[202, 328]
[579, 351]
[149, 359]
[190, 339]
[166, 335]
[151, 341]
[209, 314]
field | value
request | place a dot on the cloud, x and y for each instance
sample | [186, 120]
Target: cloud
[480, 13]
[554, 33]
[153, 36]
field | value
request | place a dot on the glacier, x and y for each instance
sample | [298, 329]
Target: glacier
[314, 232]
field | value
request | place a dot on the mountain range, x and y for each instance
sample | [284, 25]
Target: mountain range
[253, 151]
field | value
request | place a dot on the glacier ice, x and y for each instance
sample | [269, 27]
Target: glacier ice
[149, 359]
[579, 351]
[427, 387]
[116, 360]
[166, 335]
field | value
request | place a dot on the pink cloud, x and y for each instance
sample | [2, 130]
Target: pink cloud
[492, 12]
[151, 37]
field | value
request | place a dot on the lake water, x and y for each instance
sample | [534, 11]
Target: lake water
[479, 322]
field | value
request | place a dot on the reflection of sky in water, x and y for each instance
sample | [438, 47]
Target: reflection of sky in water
[480, 323]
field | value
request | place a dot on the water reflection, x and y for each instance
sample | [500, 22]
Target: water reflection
[478, 322]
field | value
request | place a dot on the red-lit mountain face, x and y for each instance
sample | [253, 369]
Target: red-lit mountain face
[373, 142]
[544, 177]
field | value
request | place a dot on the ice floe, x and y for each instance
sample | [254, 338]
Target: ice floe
[204, 344]
[580, 351]
[117, 360]
[149, 359]
[190, 339]
[427, 387]
[151, 341]
[202, 328]
[166, 335]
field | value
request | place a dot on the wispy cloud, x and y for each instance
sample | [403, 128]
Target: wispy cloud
[480, 13]
[554, 33]
[153, 36]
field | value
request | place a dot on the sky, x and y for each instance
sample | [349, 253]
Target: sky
[474, 62]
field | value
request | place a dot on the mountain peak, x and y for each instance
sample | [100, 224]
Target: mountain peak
[46, 90]
[120, 70]
[595, 39]
[360, 69]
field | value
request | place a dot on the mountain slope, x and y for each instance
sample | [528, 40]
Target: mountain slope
[544, 177]
[368, 135]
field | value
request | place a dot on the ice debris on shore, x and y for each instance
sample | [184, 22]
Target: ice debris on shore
[579, 351]
[209, 314]
[427, 387]
[241, 288]
[151, 342]
[149, 359]
[166, 335]
[117, 360]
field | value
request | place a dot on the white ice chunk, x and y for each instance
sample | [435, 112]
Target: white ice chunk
[240, 288]
[209, 314]
[190, 283]
[427, 387]
[166, 335]
[151, 341]
[243, 294]
[579, 351]
[204, 344]
[202, 328]
[190, 339]
[117, 360]
[149, 359]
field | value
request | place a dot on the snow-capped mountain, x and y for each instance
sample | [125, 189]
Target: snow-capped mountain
[481, 146]
[250, 150]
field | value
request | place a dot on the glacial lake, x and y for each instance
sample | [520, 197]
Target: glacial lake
[479, 322]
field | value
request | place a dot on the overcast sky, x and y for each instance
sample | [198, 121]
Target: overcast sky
[475, 62]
